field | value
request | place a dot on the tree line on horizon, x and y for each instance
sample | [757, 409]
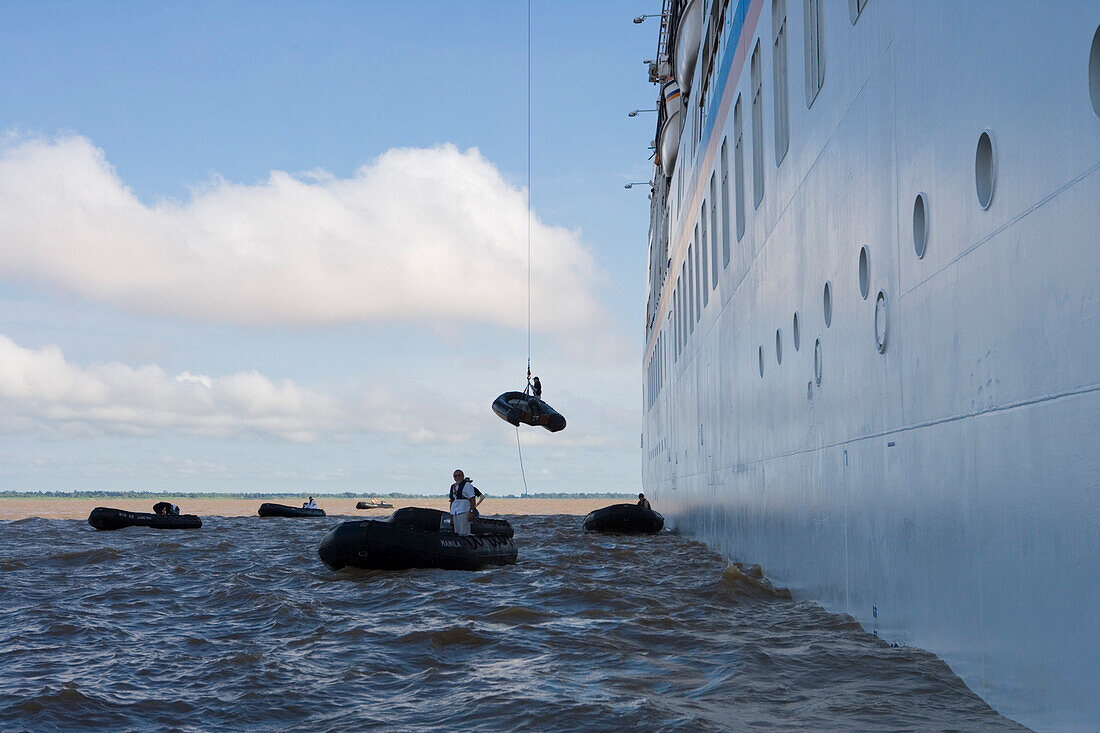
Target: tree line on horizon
[105, 494]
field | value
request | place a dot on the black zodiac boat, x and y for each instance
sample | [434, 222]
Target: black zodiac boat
[624, 519]
[106, 518]
[519, 407]
[417, 538]
[282, 510]
[373, 504]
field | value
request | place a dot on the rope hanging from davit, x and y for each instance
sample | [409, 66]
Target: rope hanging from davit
[529, 196]
[527, 406]
[519, 447]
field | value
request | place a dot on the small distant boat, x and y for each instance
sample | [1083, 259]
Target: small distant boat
[373, 504]
[414, 537]
[624, 519]
[520, 407]
[282, 510]
[106, 518]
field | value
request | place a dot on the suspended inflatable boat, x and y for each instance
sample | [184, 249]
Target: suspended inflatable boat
[519, 407]
[282, 510]
[624, 519]
[106, 518]
[417, 538]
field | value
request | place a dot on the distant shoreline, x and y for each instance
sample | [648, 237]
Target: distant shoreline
[215, 495]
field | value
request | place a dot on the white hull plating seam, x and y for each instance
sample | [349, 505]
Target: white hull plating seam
[928, 462]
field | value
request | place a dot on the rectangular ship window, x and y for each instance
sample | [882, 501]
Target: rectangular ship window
[739, 167]
[725, 205]
[679, 311]
[815, 49]
[683, 321]
[698, 275]
[676, 321]
[757, 129]
[689, 287]
[703, 270]
[779, 79]
[710, 53]
[713, 232]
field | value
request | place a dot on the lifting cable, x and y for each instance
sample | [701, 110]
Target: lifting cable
[521, 473]
[529, 201]
[518, 446]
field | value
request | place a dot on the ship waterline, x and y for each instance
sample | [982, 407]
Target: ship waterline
[873, 361]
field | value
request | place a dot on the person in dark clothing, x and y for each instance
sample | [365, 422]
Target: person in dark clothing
[536, 388]
[643, 502]
[163, 507]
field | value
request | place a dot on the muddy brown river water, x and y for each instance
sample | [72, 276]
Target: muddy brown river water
[238, 625]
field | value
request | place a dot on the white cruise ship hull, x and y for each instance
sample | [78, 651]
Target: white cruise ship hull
[928, 461]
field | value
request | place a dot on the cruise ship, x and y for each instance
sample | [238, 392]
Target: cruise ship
[872, 359]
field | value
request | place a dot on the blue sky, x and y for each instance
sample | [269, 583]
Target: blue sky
[282, 246]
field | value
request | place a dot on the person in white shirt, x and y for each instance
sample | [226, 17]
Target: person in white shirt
[311, 504]
[464, 500]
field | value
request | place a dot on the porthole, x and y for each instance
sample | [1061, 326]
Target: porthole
[778, 346]
[920, 225]
[864, 273]
[794, 330]
[985, 169]
[827, 304]
[1094, 72]
[760, 360]
[817, 362]
[881, 322]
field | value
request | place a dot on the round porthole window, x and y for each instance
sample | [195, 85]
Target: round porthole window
[827, 304]
[794, 329]
[817, 362]
[985, 169]
[864, 273]
[778, 346]
[882, 325]
[920, 225]
[1094, 72]
[760, 360]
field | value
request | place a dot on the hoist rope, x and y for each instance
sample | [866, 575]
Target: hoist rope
[519, 447]
[521, 471]
[529, 197]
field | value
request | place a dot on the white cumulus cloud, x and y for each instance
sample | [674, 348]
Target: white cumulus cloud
[431, 234]
[44, 393]
[43, 387]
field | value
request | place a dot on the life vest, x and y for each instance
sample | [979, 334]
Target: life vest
[456, 491]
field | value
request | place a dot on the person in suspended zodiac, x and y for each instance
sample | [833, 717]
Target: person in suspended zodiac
[464, 500]
[643, 502]
[527, 407]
